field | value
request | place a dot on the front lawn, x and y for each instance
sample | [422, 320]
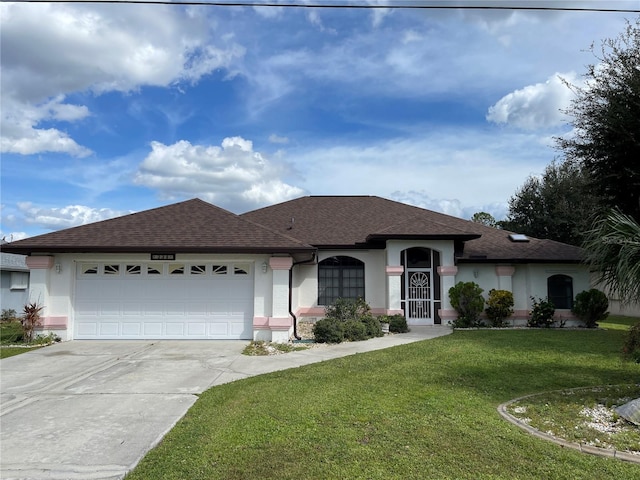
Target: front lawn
[12, 340]
[424, 410]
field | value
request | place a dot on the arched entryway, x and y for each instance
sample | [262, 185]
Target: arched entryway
[421, 290]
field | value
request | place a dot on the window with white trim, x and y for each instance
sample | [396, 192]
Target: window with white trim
[176, 269]
[340, 277]
[90, 269]
[219, 269]
[19, 280]
[198, 269]
[154, 269]
[560, 291]
[133, 270]
[112, 269]
[241, 269]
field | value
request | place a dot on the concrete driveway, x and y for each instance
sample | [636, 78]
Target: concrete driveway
[92, 409]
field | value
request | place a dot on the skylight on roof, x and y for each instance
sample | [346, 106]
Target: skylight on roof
[518, 237]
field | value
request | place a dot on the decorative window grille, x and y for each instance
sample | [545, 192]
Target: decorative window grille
[340, 277]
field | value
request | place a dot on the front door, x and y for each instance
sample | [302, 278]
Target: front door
[421, 286]
[419, 299]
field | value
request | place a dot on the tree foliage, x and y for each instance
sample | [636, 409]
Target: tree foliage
[466, 298]
[484, 218]
[558, 205]
[606, 121]
[613, 253]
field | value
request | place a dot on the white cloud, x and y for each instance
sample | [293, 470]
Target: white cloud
[453, 170]
[64, 217]
[536, 106]
[273, 138]
[18, 123]
[233, 176]
[49, 50]
[450, 206]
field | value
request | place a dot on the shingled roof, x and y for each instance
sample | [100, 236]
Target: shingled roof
[366, 221]
[301, 225]
[193, 226]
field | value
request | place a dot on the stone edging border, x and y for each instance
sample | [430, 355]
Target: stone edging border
[583, 448]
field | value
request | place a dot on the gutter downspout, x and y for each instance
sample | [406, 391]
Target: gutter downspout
[295, 319]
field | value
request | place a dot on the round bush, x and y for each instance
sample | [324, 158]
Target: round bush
[499, 307]
[328, 330]
[372, 326]
[466, 298]
[542, 312]
[398, 324]
[591, 307]
[355, 331]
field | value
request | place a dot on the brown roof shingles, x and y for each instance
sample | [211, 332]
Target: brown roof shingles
[294, 226]
[350, 221]
[190, 226]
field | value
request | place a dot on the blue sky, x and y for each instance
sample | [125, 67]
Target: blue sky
[110, 109]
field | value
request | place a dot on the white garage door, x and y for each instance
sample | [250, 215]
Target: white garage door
[163, 300]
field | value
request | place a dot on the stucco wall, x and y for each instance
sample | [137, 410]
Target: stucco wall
[528, 280]
[305, 277]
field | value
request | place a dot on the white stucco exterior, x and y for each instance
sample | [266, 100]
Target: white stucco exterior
[54, 284]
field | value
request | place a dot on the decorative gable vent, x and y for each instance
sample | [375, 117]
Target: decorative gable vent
[518, 237]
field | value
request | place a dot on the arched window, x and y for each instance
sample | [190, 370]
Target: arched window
[340, 277]
[560, 291]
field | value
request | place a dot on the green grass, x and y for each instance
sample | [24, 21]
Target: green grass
[10, 333]
[6, 352]
[424, 410]
[567, 414]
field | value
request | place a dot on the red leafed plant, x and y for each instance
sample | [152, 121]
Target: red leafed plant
[30, 319]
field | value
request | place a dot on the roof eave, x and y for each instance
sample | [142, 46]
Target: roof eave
[455, 236]
[516, 260]
[163, 249]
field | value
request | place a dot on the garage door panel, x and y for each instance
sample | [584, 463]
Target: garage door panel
[88, 329]
[175, 329]
[201, 305]
[152, 329]
[133, 329]
[196, 329]
[108, 328]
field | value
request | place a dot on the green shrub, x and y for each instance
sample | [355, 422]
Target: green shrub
[355, 331]
[11, 333]
[591, 307]
[347, 319]
[344, 309]
[466, 298]
[372, 325]
[542, 312]
[8, 315]
[328, 330]
[499, 307]
[631, 347]
[397, 324]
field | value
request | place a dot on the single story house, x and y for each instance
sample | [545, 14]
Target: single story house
[192, 270]
[14, 281]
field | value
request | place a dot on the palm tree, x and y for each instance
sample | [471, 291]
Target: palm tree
[613, 253]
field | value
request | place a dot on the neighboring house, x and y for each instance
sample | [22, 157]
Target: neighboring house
[14, 281]
[193, 270]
